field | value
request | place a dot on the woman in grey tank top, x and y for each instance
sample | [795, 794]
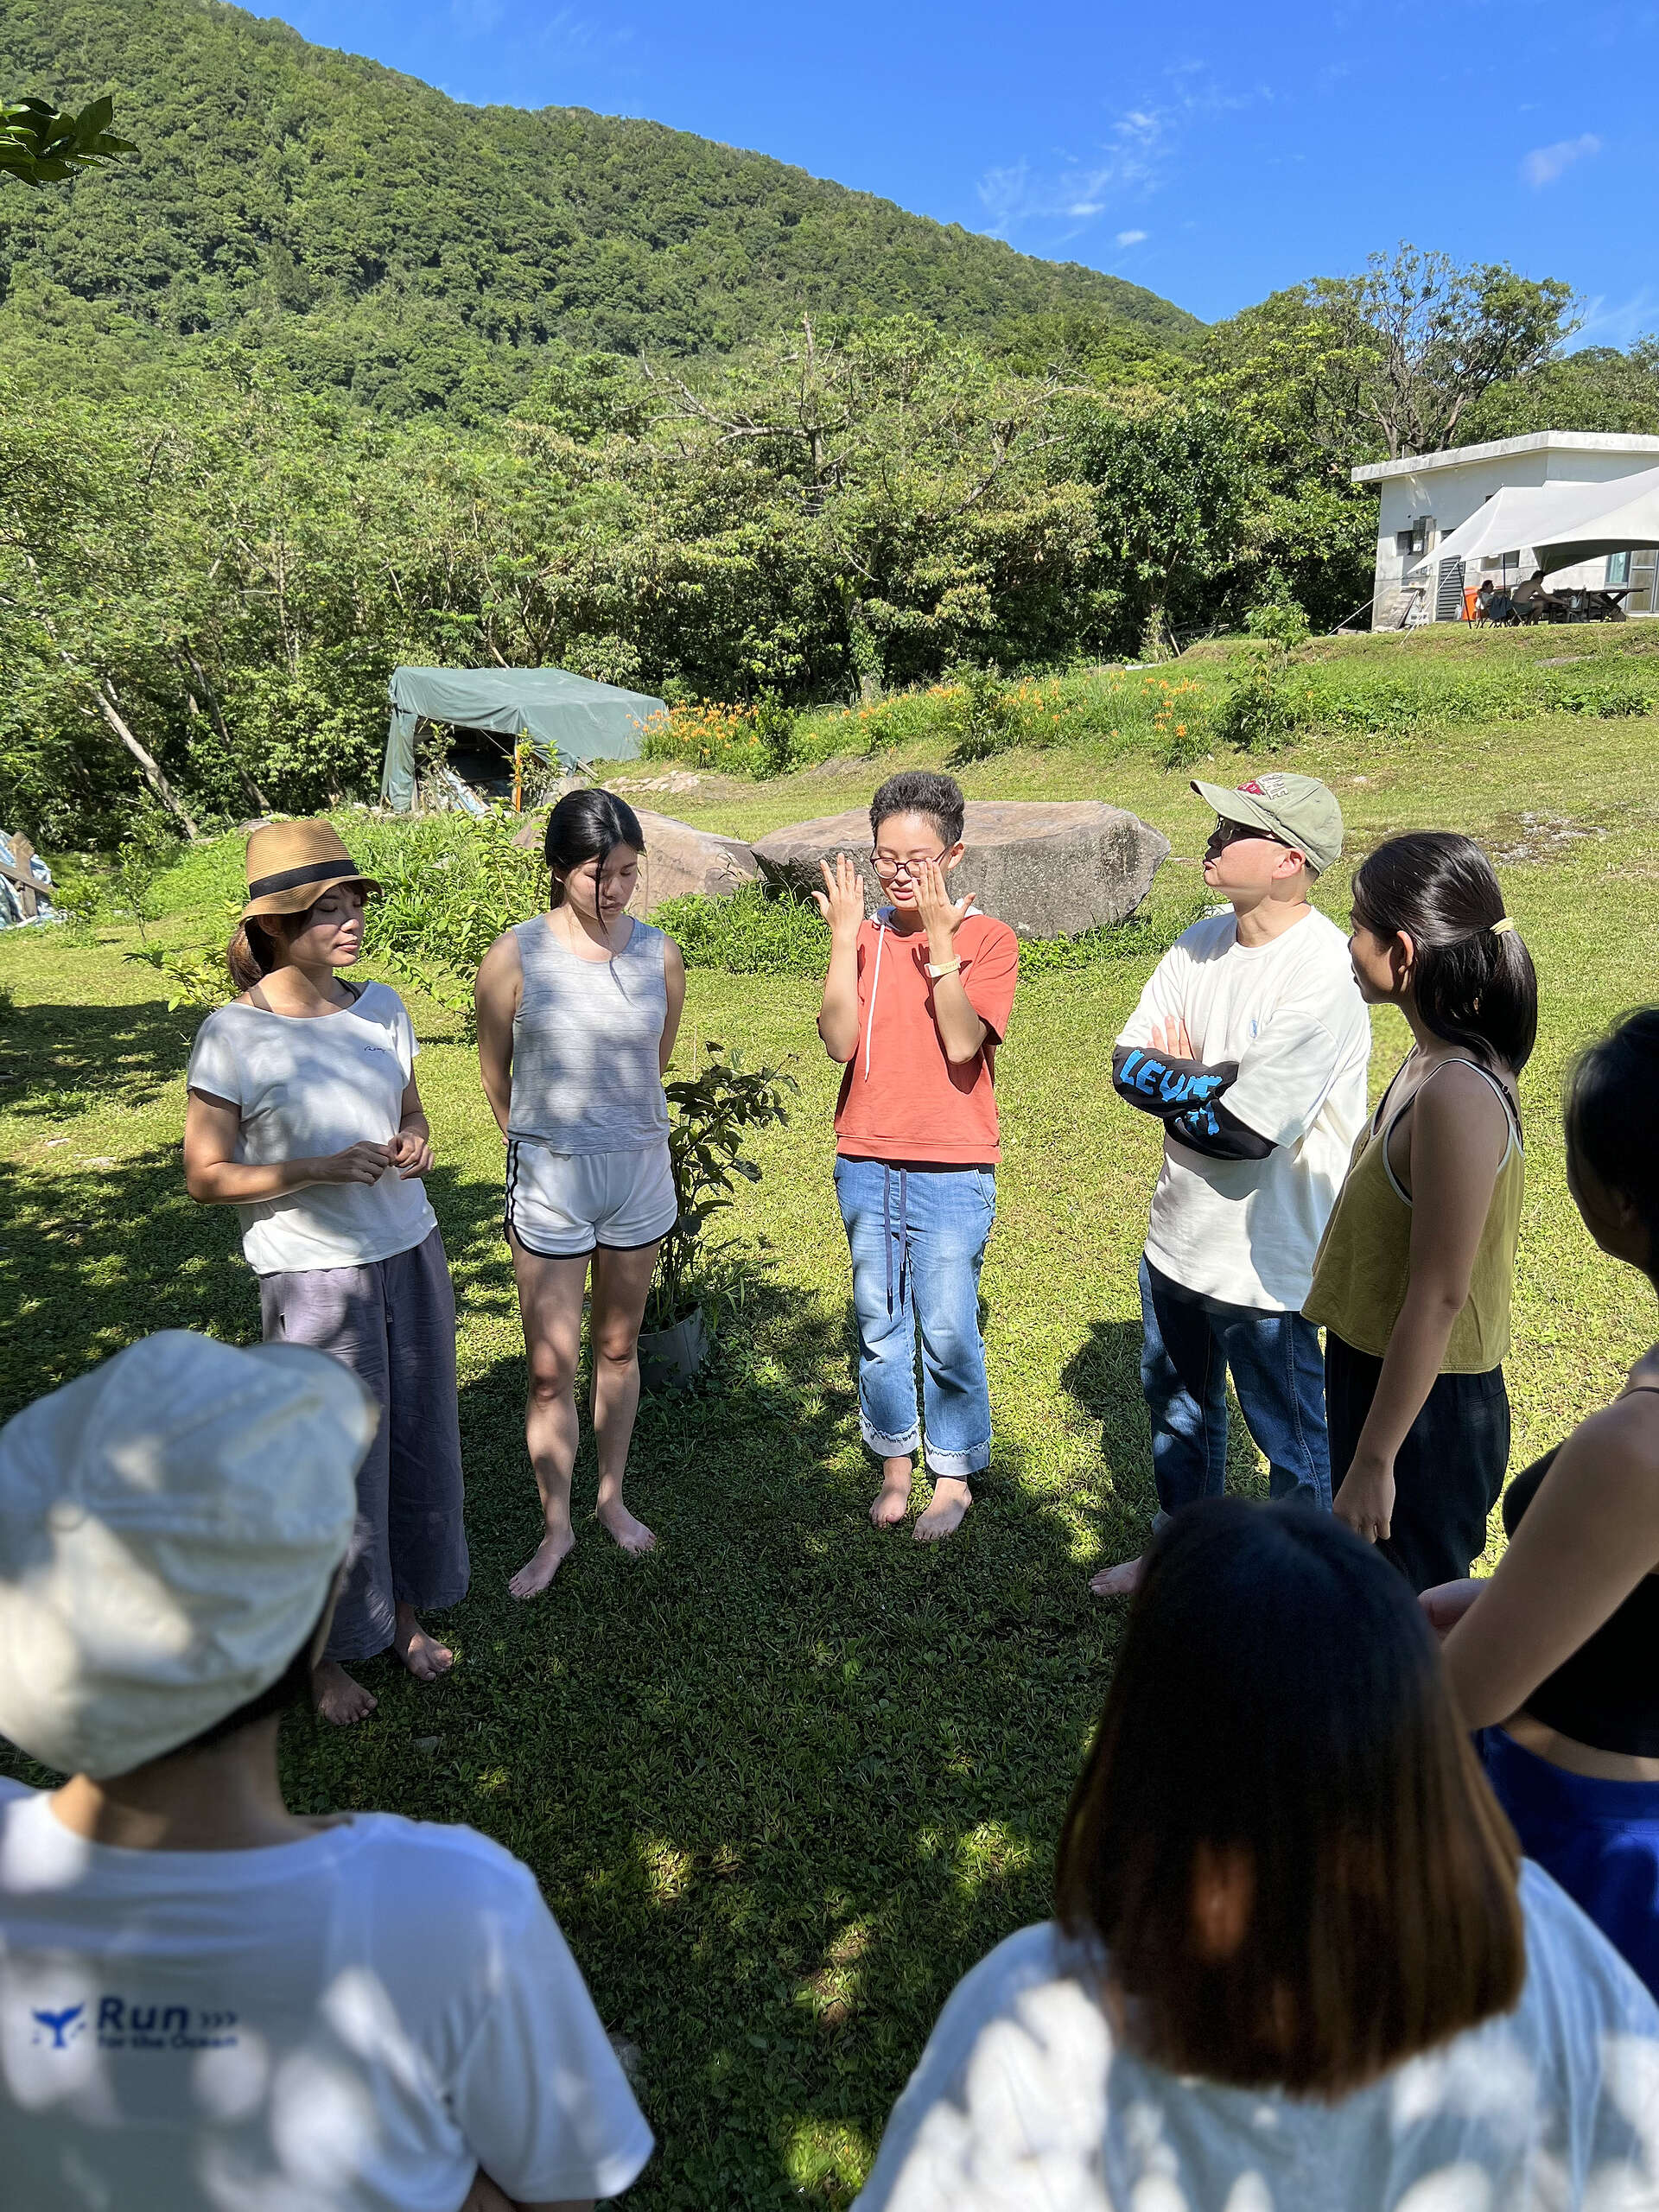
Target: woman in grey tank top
[577, 1012]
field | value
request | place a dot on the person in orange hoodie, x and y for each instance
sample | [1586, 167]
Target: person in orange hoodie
[915, 1004]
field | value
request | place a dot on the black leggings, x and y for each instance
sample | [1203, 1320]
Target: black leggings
[1448, 1474]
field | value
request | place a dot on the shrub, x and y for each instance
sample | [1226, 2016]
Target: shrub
[450, 884]
[980, 711]
[747, 933]
[774, 733]
[1280, 623]
[195, 977]
[714, 1111]
[1259, 713]
[750, 934]
[1139, 938]
[761, 740]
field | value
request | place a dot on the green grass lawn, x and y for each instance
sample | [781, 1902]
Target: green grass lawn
[783, 1781]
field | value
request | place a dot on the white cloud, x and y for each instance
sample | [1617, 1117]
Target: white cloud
[1545, 163]
[1129, 161]
[1617, 322]
[1134, 159]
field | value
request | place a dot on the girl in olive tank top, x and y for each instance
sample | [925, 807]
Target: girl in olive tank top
[1413, 1278]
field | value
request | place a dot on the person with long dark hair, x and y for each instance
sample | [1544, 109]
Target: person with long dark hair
[1414, 1272]
[303, 1113]
[1296, 1960]
[1553, 1658]
[577, 1013]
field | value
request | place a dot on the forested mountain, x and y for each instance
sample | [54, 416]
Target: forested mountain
[382, 240]
[337, 373]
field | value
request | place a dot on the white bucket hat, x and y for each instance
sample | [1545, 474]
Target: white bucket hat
[171, 1526]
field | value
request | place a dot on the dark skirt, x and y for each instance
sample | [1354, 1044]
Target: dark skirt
[1448, 1474]
[392, 1322]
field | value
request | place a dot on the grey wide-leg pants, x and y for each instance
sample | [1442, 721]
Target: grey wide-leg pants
[393, 1323]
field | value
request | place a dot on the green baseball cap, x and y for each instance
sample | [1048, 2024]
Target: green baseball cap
[1298, 809]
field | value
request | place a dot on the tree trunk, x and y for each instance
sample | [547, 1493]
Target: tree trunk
[104, 692]
[217, 713]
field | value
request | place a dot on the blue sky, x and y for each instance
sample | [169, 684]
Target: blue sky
[1211, 151]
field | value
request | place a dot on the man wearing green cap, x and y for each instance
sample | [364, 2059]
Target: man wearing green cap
[1249, 1045]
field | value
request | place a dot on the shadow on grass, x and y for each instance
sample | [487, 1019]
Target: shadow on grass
[95, 1256]
[1103, 1377]
[783, 1780]
[60, 1059]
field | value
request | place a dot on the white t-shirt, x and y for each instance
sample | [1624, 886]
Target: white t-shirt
[1245, 1231]
[1024, 2103]
[352, 2023]
[309, 1087]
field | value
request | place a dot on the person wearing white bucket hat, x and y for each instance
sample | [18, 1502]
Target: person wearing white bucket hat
[205, 2000]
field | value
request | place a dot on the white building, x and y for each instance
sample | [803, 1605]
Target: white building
[1424, 497]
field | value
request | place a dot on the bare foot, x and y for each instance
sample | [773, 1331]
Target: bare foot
[337, 1697]
[892, 1500]
[539, 1570]
[1121, 1581]
[632, 1535]
[951, 1499]
[423, 1656]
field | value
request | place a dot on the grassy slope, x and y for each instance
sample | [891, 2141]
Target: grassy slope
[783, 1781]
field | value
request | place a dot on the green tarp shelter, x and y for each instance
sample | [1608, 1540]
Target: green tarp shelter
[568, 719]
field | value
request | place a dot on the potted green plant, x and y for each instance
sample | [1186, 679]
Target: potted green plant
[715, 1110]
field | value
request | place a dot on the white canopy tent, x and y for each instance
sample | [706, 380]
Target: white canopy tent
[1563, 524]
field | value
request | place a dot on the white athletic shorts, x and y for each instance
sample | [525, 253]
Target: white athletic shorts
[561, 1205]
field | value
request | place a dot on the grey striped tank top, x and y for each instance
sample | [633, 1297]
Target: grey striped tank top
[585, 1045]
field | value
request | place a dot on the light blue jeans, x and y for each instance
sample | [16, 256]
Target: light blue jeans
[918, 1237]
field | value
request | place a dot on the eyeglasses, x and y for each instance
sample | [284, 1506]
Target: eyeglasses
[1230, 833]
[885, 865]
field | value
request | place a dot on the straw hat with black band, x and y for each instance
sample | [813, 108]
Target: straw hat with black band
[291, 864]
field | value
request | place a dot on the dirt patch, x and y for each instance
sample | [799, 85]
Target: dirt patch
[681, 783]
[1517, 838]
[839, 764]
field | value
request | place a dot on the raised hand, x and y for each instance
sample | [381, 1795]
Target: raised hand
[842, 900]
[942, 916]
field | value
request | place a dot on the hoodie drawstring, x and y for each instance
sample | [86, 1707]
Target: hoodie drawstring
[870, 1028]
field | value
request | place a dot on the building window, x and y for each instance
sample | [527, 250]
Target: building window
[1402, 543]
[1618, 567]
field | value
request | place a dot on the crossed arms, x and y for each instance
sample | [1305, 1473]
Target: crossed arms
[1164, 1079]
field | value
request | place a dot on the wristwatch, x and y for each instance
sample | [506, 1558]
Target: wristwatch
[945, 968]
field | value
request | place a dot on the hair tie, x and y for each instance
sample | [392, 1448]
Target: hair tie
[1503, 926]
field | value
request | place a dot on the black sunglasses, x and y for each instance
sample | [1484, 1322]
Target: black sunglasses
[1229, 833]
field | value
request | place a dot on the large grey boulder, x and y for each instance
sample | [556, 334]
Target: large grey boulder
[1048, 868]
[679, 861]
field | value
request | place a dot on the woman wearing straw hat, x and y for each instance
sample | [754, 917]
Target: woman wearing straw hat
[304, 1113]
